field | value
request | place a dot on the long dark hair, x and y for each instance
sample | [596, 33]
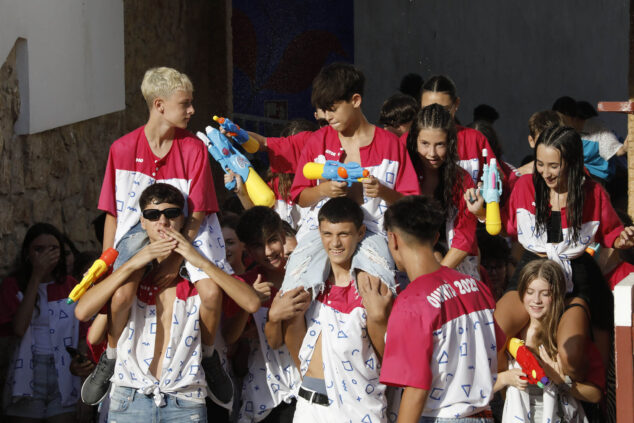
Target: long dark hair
[568, 142]
[435, 116]
[23, 266]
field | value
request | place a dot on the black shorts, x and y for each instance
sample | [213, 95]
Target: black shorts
[588, 284]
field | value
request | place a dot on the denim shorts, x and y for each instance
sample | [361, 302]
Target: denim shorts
[127, 405]
[308, 265]
[46, 400]
[130, 244]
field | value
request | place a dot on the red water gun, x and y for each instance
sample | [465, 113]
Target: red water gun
[528, 362]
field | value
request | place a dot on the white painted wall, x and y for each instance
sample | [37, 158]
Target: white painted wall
[516, 56]
[70, 59]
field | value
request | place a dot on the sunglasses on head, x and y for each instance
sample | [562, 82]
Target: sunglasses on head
[155, 214]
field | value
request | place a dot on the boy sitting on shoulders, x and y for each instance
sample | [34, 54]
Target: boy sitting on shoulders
[338, 342]
[158, 369]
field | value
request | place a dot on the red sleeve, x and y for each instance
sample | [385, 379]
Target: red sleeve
[465, 223]
[408, 350]
[610, 226]
[107, 199]
[300, 183]
[202, 193]
[9, 300]
[508, 211]
[406, 180]
[284, 152]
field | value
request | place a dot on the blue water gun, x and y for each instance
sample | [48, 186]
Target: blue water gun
[491, 191]
[229, 158]
[240, 135]
[335, 171]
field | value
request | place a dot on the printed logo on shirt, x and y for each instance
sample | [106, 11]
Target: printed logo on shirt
[332, 153]
[446, 291]
[139, 160]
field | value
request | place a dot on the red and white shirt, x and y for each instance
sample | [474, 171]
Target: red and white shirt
[64, 329]
[386, 159]
[284, 152]
[599, 223]
[181, 373]
[351, 366]
[441, 337]
[132, 167]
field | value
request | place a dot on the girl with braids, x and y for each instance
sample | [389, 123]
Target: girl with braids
[542, 289]
[33, 300]
[557, 212]
[440, 89]
[431, 144]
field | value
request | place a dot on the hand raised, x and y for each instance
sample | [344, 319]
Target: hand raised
[263, 289]
[186, 249]
[376, 297]
[475, 201]
[289, 304]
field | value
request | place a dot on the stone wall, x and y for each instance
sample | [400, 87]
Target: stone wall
[55, 176]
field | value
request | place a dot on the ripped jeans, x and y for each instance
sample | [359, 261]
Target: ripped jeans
[308, 265]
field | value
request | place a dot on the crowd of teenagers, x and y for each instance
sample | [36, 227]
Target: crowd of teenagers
[381, 300]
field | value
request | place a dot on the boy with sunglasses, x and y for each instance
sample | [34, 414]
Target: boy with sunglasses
[162, 151]
[159, 355]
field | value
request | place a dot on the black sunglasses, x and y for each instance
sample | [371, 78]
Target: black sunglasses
[155, 214]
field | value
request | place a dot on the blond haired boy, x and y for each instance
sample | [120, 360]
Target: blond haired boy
[161, 151]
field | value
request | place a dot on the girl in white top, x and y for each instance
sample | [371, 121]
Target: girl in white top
[542, 290]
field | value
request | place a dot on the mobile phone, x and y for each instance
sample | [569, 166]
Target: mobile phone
[76, 354]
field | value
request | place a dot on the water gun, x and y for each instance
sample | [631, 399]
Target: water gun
[231, 159]
[335, 171]
[240, 135]
[593, 248]
[527, 361]
[96, 271]
[491, 191]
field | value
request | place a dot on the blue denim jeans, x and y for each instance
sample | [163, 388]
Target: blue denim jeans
[130, 244]
[46, 400]
[127, 405]
[308, 265]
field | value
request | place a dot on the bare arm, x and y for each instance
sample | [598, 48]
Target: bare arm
[294, 333]
[243, 294]
[453, 258]
[284, 307]
[259, 138]
[109, 229]
[98, 329]
[412, 405]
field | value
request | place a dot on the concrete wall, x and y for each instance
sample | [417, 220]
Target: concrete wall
[55, 176]
[64, 47]
[516, 56]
